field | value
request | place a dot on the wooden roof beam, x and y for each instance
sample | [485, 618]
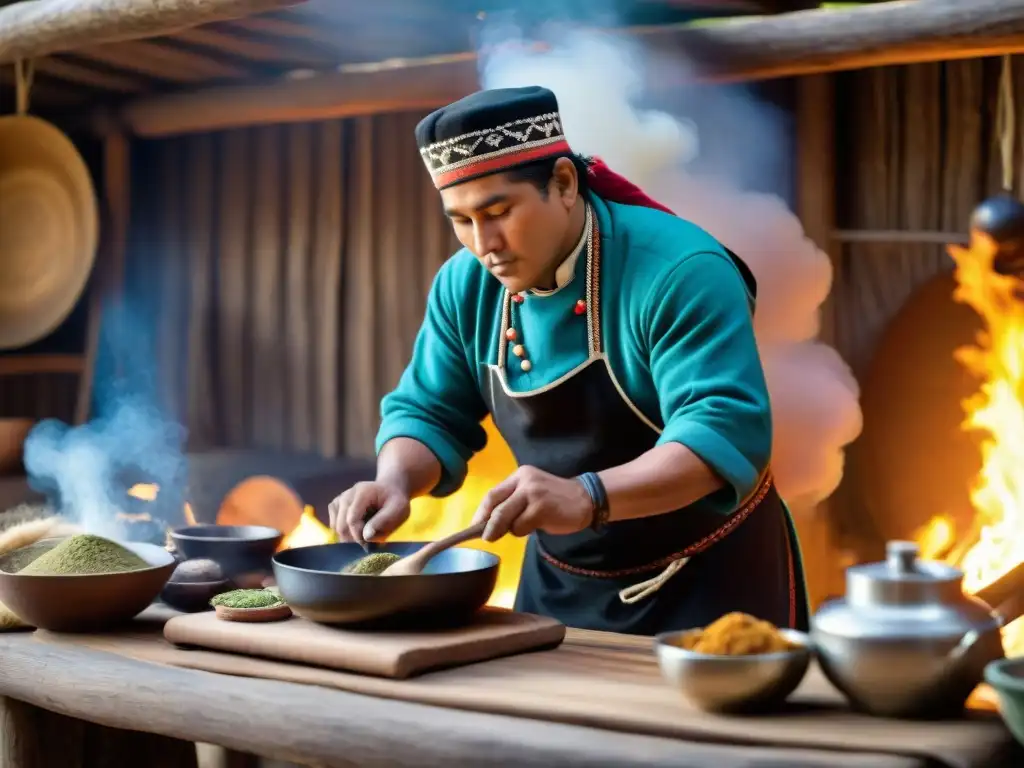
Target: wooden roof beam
[320, 96]
[805, 42]
[34, 28]
[830, 40]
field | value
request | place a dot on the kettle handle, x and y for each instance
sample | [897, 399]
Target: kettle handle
[1005, 595]
[968, 641]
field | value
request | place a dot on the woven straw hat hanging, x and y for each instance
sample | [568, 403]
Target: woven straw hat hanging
[48, 224]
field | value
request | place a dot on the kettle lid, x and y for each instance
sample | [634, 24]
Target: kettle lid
[902, 563]
[903, 578]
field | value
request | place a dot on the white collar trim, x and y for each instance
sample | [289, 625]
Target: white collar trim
[567, 269]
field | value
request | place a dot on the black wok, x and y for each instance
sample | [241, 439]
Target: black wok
[455, 584]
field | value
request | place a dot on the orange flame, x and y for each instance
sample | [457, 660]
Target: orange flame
[309, 532]
[937, 538]
[149, 492]
[144, 491]
[996, 410]
[433, 518]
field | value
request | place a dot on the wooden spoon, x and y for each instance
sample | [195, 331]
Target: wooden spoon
[414, 564]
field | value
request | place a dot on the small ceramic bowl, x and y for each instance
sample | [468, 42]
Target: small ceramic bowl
[729, 684]
[270, 613]
[237, 549]
[1006, 676]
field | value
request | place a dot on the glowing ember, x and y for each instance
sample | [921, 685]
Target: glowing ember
[144, 491]
[149, 492]
[996, 543]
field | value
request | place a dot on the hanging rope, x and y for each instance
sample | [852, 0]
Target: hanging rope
[1006, 122]
[24, 72]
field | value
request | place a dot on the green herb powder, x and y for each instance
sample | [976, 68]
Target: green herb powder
[15, 561]
[371, 565]
[83, 555]
[247, 598]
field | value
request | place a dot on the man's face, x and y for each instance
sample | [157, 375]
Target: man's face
[517, 231]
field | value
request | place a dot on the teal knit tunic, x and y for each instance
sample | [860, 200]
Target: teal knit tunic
[677, 327]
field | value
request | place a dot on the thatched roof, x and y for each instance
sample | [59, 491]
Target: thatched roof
[219, 63]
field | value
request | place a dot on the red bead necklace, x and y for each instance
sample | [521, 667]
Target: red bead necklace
[512, 336]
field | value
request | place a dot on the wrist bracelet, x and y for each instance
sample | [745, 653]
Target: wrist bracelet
[598, 496]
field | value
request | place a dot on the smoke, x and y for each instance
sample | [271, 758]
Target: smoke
[89, 468]
[599, 80]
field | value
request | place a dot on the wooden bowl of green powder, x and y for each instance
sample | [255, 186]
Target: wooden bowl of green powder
[83, 583]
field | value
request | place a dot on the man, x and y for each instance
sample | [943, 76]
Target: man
[612, 343]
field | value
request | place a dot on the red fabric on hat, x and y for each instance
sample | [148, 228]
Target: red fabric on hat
[610, 186]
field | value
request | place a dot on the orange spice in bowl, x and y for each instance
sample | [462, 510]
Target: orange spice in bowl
[735, 634]
[736, 663]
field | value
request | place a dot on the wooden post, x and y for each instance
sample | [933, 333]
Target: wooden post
[816, 174]
[816, 187]
[108, 280]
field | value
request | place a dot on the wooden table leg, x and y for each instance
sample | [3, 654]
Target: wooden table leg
[212, 756]
[31, 737]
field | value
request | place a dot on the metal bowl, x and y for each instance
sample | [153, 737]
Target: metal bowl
[237, 549]
[87, 603]
[732, 684]
[455, 584]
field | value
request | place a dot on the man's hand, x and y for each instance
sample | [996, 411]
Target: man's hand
[532, 500]
[351, 513]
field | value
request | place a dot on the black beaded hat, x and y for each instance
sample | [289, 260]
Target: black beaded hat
[489, 132]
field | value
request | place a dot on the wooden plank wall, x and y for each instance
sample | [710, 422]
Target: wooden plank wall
[283, 271]
[330, 234]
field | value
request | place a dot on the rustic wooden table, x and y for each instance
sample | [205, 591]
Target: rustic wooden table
[71, 707]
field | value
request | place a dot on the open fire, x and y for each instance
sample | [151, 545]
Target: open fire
[994, 544]
[434, 518]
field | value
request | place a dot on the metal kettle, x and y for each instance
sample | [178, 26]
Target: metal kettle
[906, 641]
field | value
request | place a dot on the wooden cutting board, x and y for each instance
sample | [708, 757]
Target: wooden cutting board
[493, 633]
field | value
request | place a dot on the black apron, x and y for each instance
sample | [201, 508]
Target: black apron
[749, 561]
